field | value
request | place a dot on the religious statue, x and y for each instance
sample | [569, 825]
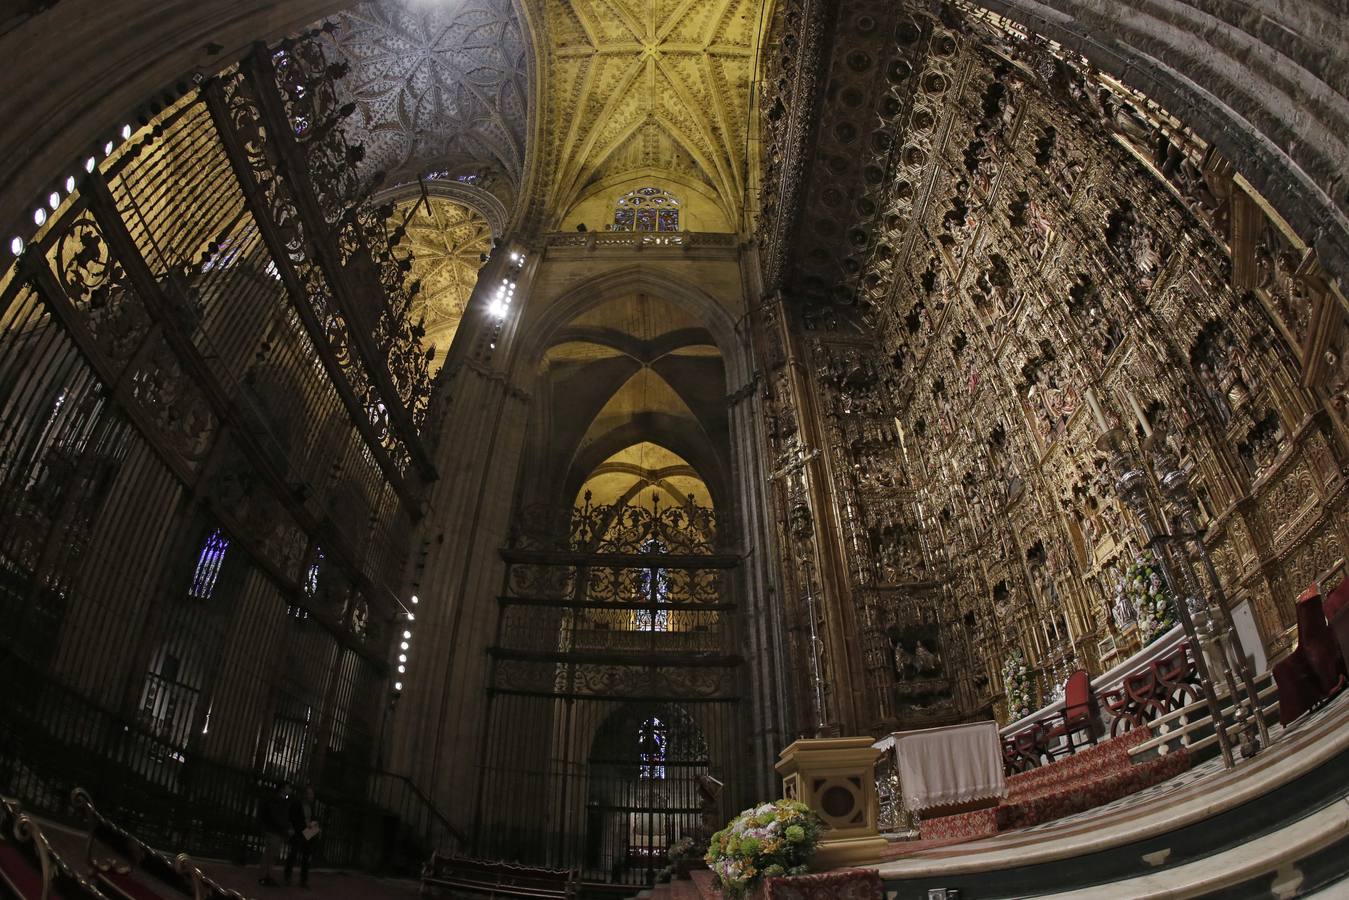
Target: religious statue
[925, 661]
[903, 660]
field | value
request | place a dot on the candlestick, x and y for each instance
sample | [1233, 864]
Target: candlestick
[1142, 417]
[1095, 407]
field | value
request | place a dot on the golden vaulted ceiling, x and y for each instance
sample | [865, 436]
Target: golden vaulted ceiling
[645, 88]
[446, 240]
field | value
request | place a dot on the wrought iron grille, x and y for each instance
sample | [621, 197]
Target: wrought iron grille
[185, 417]
[614, 685]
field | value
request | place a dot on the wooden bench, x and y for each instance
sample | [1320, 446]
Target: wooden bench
[137, 871]
[493, 878]
[29, 868]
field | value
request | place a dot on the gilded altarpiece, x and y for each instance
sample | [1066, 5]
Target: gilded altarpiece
[1039, 236]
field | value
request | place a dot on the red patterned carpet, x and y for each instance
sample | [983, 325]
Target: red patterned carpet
[1088, 779]
[840, 884]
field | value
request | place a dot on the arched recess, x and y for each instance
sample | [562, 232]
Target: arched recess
[642, 775]
[621, 360]
[483, 202]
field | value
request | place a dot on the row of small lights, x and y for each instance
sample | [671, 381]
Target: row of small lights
[404, 646]
[40, 215]
[501, 301]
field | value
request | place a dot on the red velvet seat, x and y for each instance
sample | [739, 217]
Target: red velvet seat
[1079, 711]
[1177, 682]
[24, 856]
[1298, 688]
[1316, 640]
[135, 870]
[1030, 745]
[1336, 609]
[1124, 713]
[1315, 670]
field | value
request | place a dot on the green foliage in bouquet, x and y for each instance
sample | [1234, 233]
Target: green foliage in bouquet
[1016, 681]
[771, 839]
[1144, 589]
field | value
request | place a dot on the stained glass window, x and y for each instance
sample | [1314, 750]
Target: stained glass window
[208, 565]
[311, 578]
[655, 588]
[646, 209]
[651, 740]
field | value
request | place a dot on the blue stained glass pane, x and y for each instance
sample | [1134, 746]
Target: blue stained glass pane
[208, 565]
[668, 220]
[646, 220]
[623, 219]
[651, 748]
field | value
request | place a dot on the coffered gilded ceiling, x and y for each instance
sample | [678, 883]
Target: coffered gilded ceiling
[446, 241]
[644, 88]
[438, 85]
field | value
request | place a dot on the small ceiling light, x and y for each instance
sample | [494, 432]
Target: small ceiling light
[89, 164]
[414, 598]
[398, 685]
[39, 216]
[70, 184]
[126, 132]
[54, 200]
[403, 646]
[107, 149]
[402, 669]
[16, 245]
[402, 657]
[411, 617]
[407, 635]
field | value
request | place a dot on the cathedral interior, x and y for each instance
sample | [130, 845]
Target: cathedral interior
[515, 417]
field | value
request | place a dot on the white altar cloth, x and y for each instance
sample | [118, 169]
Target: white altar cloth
[954, 764]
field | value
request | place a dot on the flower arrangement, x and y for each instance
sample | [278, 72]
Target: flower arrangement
[1016, 681]
[1143, 588]
[771, 839]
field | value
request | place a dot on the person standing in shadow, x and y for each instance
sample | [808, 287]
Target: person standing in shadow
[274, 816]
[304, 831]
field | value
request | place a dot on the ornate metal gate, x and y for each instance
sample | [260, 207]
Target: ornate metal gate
[613, 688]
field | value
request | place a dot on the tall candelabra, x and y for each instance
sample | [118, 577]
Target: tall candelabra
[1168, 540]
[1218, 625]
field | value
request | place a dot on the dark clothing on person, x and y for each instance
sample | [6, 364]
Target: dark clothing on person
[301, 813]
[274, 814]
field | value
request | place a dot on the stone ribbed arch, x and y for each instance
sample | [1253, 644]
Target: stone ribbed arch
[537, 335]
[670, 432]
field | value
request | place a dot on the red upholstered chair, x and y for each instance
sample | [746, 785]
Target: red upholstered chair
[1336, 608]
[126, 868]
[1030, 745]
[1298, 688]
[1124, 713]
[1177, 681]
[1315, 639]
[1315, 669]
[29, 868]
[1080, 711]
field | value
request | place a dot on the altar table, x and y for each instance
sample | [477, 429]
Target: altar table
[948, 769]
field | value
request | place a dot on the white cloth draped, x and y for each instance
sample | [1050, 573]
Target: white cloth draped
[948, 765]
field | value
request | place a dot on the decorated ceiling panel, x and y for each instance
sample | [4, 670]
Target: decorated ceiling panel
[655, 86]
[446, 240]
[438, 86]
